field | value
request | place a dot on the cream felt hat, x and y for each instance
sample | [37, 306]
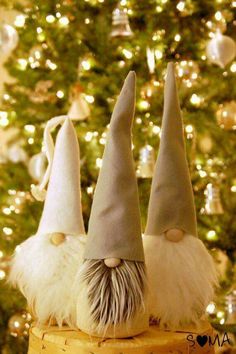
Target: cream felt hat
[114, 225]
[171, 204]
[62, 210]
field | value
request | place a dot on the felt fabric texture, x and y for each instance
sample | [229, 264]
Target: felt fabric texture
[114, 225]
[62, 208]
[171, 204]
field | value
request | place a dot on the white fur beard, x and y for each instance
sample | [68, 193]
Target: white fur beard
[181, 277]
[45, 274]
[115, 295]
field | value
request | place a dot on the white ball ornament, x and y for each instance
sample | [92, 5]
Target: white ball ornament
[37, 166]
[174, 235]
[221, 50]
[112, 262]
[8, 38]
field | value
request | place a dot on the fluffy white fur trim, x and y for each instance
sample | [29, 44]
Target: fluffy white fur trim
[181, 277]
[45, 273]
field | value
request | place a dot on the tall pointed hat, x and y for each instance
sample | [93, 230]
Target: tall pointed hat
[171, 204]
[114, 225]
[62, 210]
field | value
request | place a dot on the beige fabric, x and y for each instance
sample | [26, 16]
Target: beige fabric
[114, 225]
[171, 202]
[62, 209]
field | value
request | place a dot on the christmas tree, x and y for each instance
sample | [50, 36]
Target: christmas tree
[71, 57]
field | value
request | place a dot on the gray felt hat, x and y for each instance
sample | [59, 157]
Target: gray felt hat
[171, 204]
[114, 225]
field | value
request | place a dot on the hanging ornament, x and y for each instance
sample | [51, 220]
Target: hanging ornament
[213, 204]
[146, 162]
[120, 23]
[231, 308]
[37, 166]
[221, 49]
[187, 71]
[79, 108]
[226, 115]
[41, 92]
[8, 38]
[19, 324]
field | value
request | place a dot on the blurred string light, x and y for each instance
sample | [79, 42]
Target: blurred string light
[50, 18]
[51, 65]
[19, 21]
[180, 6]
[64, 21]
[98, 162]
[211, 235]
[60, 94]
[3, 119]
[29, 128]
[22, 63]
[233, 67]
[196, 100]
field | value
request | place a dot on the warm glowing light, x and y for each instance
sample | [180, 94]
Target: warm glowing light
[22, 63]
[6, 211]
[29, 128]
[19, 21]
[30, 141]
[189, 128]
[177, 37]
[7, 231]
[127, 53]
[6, 97]
[211, 308]
[85, 64]
[233, 189]
[39, 30]
[218, 16]
[3, 119]
[155, 129]
[64, 21]
[233, 68]
[60, 94]
[88, 136]
[50, 18]
[51, 65]
[90, 190]
[158, 54]
[180, 6]
[211, 235]
[220, 314]
[89, 98]
[195, 99]
[2, 274]
[143, 105]
[202, 173]
[87, 21]
[99, 162]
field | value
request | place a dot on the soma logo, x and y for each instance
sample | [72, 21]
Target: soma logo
[209, 340]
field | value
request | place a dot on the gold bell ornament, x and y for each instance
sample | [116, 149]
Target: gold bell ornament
[120, 23]
[146, 162]
[79, 109]
[213, 204]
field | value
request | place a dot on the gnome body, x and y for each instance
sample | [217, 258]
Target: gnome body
[112, 281]
[45, 265]
[181, 272]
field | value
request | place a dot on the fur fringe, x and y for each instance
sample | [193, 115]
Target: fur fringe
[45, 274]
[181, 276]
[115, 295]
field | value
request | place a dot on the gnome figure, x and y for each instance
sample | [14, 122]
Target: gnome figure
[112, 280]
[45, 266]
[180, 270]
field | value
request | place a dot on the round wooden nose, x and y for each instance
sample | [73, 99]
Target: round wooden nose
[57, 238]
[174, 235]
[112, 262]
